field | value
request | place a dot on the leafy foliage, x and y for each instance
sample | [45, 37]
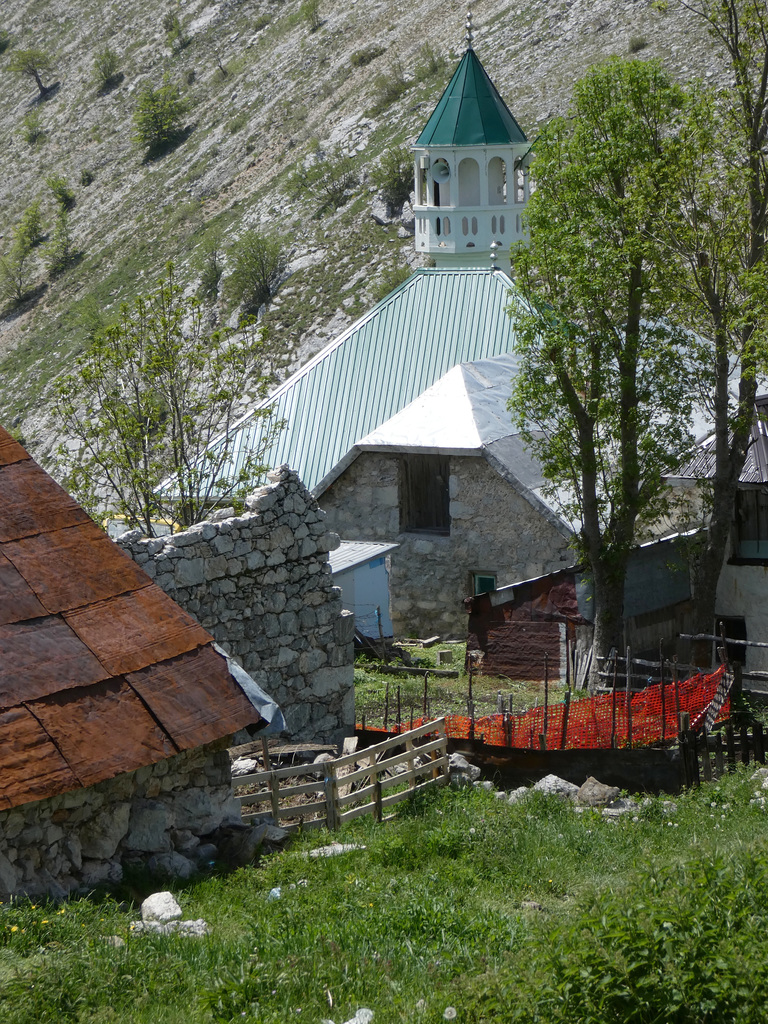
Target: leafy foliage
[175, 35]
[388, 87]
[32, 130]
[361, 58]
[30, 227]
[310, 12]
[61, 191]
[211, 264]
[147, 398]
[602, 396]
[106, 69]
[329, 178]
[393, 176]
[60, 253]
[259, 260]
[157, 120]
[5, 40]
[32, 63]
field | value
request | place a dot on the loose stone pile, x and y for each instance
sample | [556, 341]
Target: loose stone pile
[262, 585]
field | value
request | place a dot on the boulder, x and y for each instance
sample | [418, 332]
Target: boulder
[595, 794]
[460, 767]
[160, 906]
[552, 785]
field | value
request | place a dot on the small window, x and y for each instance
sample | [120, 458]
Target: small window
[464, 226]
[474, 225]
[483, 582]
[493, 224]
[446, 225]
[437, 226]
[502, 225]
[424, 498]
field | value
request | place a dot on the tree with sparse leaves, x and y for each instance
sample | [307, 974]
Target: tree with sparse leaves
[144, 404]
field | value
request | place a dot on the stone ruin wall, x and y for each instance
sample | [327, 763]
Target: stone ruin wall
[154, 816]
[261, 584]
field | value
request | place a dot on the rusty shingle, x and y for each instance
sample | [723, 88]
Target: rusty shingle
[74, 567]
[76, 616]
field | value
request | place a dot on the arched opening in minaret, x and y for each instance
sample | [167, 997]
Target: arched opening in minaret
[497, 181]
[469, 183]
[520, 195]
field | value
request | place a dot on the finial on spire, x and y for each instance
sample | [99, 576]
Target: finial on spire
[493, 247]
[470, 33]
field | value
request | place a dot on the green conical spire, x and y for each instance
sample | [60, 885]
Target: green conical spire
[471, 112]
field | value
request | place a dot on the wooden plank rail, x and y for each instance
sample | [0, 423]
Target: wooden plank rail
[353, 785]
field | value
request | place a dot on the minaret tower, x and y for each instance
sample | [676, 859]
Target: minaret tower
[471, 165]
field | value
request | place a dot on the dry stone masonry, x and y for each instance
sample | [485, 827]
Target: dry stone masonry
[261, 584]
[155, 815]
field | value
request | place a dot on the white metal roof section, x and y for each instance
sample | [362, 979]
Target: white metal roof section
[351, 553]
[465, 409]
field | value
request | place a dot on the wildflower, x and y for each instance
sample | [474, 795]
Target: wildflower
[14, 927]
[449, 1013]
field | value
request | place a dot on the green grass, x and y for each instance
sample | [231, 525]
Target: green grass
[663, 908]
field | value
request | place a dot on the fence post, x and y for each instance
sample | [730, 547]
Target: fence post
[331, 806]
[663, 692]
[683, 733]
[629, 697]
[377, 797]
[694, 755]
[566, 713]
[706, 763]
[719, 763]
[409, 760]
[546, 692]
[274, 792]
[730, 746]
[744, 737]
[757, 730]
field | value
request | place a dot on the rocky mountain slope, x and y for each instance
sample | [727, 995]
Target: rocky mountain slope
[266, 89]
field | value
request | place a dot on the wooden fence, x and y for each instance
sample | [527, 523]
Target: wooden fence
[725, 747]
[365, 782]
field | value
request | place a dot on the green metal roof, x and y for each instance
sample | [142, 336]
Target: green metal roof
[471, 112]
[435, 320]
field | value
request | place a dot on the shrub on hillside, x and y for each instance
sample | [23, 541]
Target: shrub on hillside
[258, 260]
[32, 130]
[330, 179]
[30, 227]
[310, 13]
[393, 176]
[360, 58]
[106, 69]
[157, 121]
[389, 87]
[5, 40]
[175, 35]
[61, 191]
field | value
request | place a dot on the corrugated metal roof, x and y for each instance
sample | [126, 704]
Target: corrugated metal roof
[755, 471]
[100, 671]
[435, 320]
[351, 553]
[471, 112]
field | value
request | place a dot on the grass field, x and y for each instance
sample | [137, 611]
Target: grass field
[465, 908]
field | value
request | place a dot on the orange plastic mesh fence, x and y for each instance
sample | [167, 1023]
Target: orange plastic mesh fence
[647, 718]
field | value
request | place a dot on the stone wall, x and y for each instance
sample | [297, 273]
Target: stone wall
[493, 530]
[154, 815]
[261, 584]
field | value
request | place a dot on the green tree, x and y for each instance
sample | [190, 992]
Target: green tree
[716, 238]
[146, 400]
[61, 191]
[33, 63]
[259, 260]
[211, 264]
[60, 253]
[602, 395]
[30, 227]
[14, 271]
[393, 176]
[157, 121]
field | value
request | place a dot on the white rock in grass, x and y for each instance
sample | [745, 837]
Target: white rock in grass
[160, 906]
[552, 785]
[334, 849]
[517, 795]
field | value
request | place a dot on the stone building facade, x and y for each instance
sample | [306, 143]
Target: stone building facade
[261, 584]
[155, 815]
[493, 531]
